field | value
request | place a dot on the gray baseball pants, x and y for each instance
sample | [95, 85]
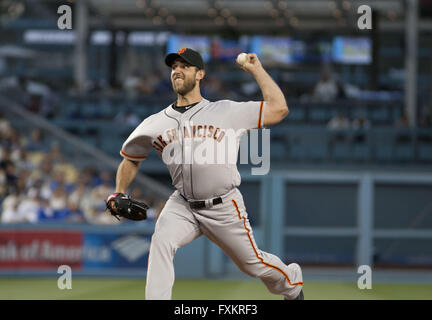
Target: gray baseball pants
[227, 225]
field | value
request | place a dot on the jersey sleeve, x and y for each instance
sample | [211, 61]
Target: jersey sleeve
[247, 115]
[139, 143]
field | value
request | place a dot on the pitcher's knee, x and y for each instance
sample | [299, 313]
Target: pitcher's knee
[251, 270]
[263, 272]
[163, 241]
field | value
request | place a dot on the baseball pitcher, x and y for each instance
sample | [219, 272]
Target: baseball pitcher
[190, 136]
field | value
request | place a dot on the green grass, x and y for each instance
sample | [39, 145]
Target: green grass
[132, 289]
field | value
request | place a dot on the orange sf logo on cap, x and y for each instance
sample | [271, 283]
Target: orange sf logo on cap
[181, 51]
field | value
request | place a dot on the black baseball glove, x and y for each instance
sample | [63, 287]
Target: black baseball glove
[121, 205]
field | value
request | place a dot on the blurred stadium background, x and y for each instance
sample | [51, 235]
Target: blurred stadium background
[350, 181]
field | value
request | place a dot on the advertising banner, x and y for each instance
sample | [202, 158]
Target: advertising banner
[115, 250]
[40, 249]
[28, 249]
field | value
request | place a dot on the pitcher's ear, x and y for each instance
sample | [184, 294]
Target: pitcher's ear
[201, 74]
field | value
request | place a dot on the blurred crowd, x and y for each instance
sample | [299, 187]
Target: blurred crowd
[156, 86]
[38, 185]
[341, 122]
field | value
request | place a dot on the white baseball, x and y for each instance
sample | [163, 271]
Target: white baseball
[242, 58]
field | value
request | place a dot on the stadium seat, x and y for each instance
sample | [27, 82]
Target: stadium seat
[297, 114]
[111, 146]
[404, 152]
[383, 143]
[108, 130]
[361, 152]
[141, 110]
[360, 112]
[92, 140]
[317, 151]
[107, 111]
[277, 150]
[425, 152]
[319, 115]
[341, 151]
[396, 114]
[380, 115]
[298, 152]
[88, 110]
[383, 152]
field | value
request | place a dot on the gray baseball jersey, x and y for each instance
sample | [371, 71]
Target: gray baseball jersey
[190, 144]
[179, 137]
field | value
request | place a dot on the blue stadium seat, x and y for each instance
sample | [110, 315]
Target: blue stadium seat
[277, 150]
[92, 140]
[404, 152]
[360, 112]
[141, 110]
[379, 115]
[156, 108]
[87, 109]
[70, 110]
[317, 151]
[66, 109]
[361, 152]
[341, 151]
[108, 130]
[298, 152]
[111, 146]
[107, 110]
[319, 115]
[384, 140]
[425, 152]
[383, 152]
[297, 114]
[396, 114]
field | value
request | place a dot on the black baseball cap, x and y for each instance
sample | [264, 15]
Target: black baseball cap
[190, 56]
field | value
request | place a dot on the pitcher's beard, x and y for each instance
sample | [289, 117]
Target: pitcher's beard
[187, 87]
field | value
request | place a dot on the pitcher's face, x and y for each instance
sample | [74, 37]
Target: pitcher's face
[183, 77]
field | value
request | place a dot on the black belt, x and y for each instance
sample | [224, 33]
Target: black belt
[201, 204]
